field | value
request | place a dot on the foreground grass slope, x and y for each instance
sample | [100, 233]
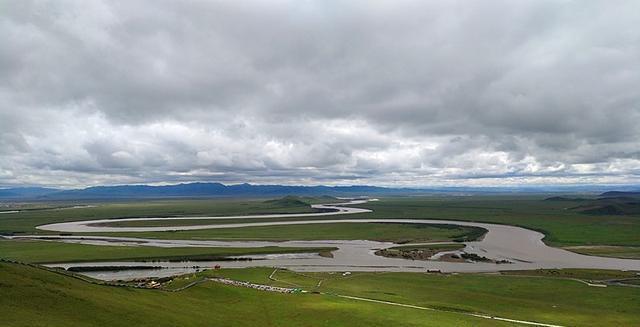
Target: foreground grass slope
[34, 297]
[541, 298]
[537, 299]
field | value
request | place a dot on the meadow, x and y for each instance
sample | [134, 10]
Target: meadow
[48, 252]
[554, 297]
[384, 232]
[26, 221]
[36, 297]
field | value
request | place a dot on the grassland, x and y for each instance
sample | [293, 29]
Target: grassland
[583, 274]
[543, 299]
[629, 252]
[561, 226]
[33, 297]
[399, 233]
[26, 221]
[47, 252]
[194, 222]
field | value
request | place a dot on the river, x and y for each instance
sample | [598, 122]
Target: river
[520, 246]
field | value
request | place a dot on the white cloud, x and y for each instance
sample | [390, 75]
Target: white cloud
[410, 93]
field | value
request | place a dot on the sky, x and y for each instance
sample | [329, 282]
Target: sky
[392, 93]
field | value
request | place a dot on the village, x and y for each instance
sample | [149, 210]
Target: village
[260, 287]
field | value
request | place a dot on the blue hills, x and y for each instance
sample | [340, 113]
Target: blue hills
[203, 190]
[193, 190]
[25, 192]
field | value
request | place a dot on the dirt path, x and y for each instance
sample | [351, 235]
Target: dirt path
[477, 315]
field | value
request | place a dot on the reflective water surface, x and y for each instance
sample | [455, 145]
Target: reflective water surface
[522, 247]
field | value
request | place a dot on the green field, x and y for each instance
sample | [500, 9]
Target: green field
[193, 222]
[399, 233]
[552, 300]
[562, 227]
[33, 297]
[629, 252]
[583, 274]
[537, 299]
[47, 252]
[26, 221]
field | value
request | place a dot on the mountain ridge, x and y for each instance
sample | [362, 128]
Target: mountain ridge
[215, 189]
[198, 189]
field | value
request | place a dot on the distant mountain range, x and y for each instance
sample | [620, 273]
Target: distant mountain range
[26, 192]
[194, 190]
[250, 190]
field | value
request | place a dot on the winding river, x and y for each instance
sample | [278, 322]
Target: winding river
[520, 246]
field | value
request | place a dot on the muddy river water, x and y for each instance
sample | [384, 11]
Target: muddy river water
[522, 247]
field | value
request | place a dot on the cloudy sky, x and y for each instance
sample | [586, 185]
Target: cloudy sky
[319, 92]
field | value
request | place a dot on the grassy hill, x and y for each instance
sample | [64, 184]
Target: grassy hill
[610, 206]
[36, 297]
[288, 201]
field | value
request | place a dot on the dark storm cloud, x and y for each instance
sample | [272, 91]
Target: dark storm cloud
[409, 92]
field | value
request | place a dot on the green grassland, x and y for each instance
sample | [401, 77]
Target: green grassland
[47, 252]
[194, 222]
[552, 300]
[30, 293]
[629, 252]
[26, 221]
[391, 232]
[34, 297]
[583, 274]
[561, 226]
[544, 300]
